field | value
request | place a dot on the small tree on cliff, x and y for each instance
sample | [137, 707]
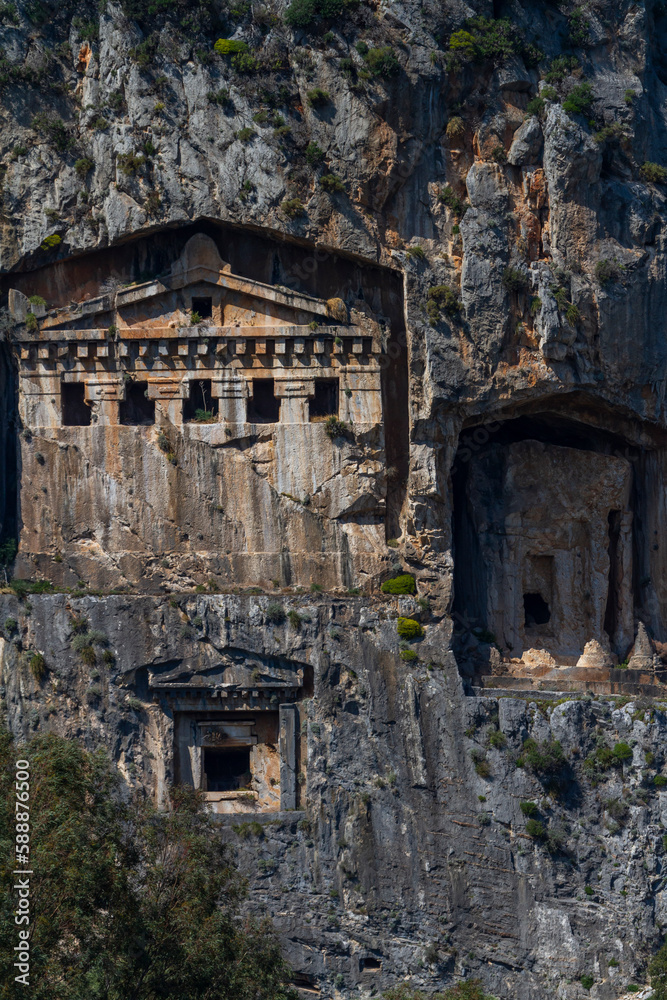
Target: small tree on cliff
[126, 903]
[658, 973]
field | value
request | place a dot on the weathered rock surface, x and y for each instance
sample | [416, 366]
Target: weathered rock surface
[523, 293]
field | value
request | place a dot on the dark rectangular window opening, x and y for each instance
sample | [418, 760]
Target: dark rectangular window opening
[325, 401]
[226, 770]
[200, 407]
[203, 305]
[137, 408]
[263, 406]
[75, 410]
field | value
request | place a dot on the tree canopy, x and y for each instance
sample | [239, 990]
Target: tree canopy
[126, 903]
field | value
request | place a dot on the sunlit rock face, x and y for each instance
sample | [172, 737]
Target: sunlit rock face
[290, 332]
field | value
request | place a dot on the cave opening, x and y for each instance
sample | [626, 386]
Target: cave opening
[203, 306]
[263, 405]
[226, 770]
[324, 403]
[75, 410]
[536, 610]
[542, 527]
[137, 409]
[200, 406]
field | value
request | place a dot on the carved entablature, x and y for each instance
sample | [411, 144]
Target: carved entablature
[196, 344]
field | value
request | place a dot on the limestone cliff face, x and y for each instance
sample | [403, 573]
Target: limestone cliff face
[455, 229]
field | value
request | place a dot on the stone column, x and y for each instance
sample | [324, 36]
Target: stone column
[288, 764]
[232, 392]
[294, 395]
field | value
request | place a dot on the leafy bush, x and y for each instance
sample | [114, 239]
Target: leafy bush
[304, 13]
[382, 61]
[545, 759]
[607, 271]
[54, 131]
[622, 751]
[404, 583]
[314, 154]
[498, 154]
[317, 97]
[481, 764]
[452, 201]
[335, 428]
[294, 619]
[331, 183]
[497, 739]
[441, 297]
[275, 613]
[654, 173]
[245, 134]
[37, 665]
[560, 67]
[660, 781]
[536, 829]
[579, 100]
[514, 279]
[292, 207]
[230, 46]
[408, 655]
[83, 166]
[529, 809]
[111, 871]
[578, 27]
[408, 628]
[51, 242]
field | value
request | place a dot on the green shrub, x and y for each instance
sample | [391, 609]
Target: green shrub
[382, 61]
[292, 207]
[452, 201]
[304, 13]
[578, 27]
[536, 829]
[37, 665]
[560, 67]
[220, 97]
[544, 758]
[317, 97]
[335, 428]
[275, 613]
[294, 619]
[245, 134]
[481, 764]
[54, 130]
[588, 890]
[608, 271]
[244, 62]
[579, 100]
[331, 183]
[408, 628]
[408, 655]
[83, 166]
[660, 781]
[529, 809]
[314, 154]
[230, 46]
[51, 242]
[622, 751]
[404, 583]
[654, 173]
[10, 625]
[130, 163]
[497, 739]
[498, 154]
[514, 280]
[536, 106]
[441, 297]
